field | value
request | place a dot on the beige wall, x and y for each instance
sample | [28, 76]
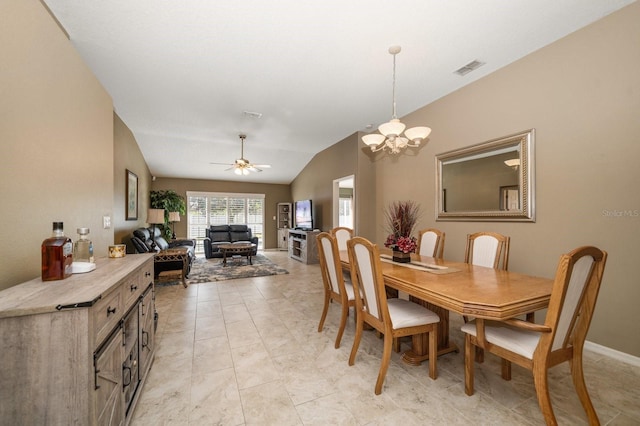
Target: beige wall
[56, 133]
[315, 182]
[582, 95]
[127, 156]
[274, 194]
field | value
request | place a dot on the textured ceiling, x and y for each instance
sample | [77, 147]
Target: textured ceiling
[181, 73]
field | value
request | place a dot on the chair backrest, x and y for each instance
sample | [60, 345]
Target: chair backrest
[431, 243]
[488, 249]
[330, 263]
[573, 298]
[342, 234]
[366, 277]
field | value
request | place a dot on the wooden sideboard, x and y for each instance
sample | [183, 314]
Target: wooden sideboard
[78, 350]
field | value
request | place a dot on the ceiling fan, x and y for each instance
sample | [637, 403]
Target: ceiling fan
[242, 166]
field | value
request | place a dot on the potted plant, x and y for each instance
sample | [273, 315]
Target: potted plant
[170, 201]
[401, 218]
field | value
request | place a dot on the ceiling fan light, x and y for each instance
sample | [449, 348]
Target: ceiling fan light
[373, 139]
[245, 172]
[417, 134]
[391, 128]
[237, 171]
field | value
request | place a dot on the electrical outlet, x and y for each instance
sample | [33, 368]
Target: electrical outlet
[106, 222]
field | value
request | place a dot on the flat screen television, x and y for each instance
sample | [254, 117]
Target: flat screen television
[304, 215]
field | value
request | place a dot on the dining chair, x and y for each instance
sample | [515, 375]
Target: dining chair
[488, 249]
[431, 243]
[392, 317]
[342, 234]
[538, 347]
[335, 287]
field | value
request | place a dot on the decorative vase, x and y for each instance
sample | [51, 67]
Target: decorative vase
[401, 257]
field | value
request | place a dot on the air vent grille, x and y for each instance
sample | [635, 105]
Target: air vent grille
[473, 65]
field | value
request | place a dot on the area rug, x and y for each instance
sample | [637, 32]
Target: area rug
[208, 270]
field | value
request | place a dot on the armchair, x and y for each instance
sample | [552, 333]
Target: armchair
[538, 347]
[149, 240]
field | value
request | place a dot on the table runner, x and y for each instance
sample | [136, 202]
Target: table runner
[421, 266]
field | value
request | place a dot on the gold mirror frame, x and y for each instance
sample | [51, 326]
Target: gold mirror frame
[521, 183]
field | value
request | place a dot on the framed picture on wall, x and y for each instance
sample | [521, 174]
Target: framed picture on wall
[132, 196]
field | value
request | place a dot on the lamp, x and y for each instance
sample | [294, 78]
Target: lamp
[390, 136]
[155, 216]
[173, 218]
[513, 163]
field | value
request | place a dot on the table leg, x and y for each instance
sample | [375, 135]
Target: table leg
[185, 261]
[224, 258]
[420, 343]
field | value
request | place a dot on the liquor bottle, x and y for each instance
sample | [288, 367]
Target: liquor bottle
[57, 255]
[83, 247]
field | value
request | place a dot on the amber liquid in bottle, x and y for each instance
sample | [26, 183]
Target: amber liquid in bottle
[57, 255]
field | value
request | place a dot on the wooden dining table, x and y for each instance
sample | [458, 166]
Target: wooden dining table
[462, 288]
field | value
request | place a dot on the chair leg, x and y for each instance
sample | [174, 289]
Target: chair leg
[356, 340]
[531, 317]
[384, 364]
[542, 392]
[396, 345]
[343, 323]
[468, 365]
[506, 369]
[324, 312]
[433, 353]
[577, 374]
[479, 355]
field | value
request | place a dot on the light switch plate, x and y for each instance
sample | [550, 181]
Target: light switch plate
[106, 222]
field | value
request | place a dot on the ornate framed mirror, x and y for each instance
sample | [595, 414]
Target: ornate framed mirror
[490, 181]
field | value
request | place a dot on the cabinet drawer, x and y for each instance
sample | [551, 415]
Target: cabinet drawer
[135, 284]
[107, 313]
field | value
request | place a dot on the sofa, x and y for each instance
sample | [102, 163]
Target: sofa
[149, 240]
[227, 234]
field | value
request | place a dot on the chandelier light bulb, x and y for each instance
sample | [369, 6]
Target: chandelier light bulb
[391, 136]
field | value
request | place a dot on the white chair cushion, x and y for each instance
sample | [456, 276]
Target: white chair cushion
[404, 313]
[522, 342]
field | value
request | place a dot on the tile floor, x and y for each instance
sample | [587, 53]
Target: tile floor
[247, 352]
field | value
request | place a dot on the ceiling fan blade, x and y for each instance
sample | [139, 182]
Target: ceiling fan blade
[263, 166]
[222, 164]
[230, 168]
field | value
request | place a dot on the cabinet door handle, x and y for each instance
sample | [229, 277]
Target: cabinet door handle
[126, 378]
[147, 274]
[111, 310]
[145, 339]
[133, 288]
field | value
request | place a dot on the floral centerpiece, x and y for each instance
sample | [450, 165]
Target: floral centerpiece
[401, 217]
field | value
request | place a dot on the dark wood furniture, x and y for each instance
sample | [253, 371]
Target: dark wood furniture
[174, 256]
[237, 249]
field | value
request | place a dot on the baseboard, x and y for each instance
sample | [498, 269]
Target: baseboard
[612, 353]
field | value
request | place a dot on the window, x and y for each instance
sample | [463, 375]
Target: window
[214, 208]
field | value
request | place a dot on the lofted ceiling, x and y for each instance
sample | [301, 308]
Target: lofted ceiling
[183, 75]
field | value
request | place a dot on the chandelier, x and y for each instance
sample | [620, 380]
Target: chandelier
[390, 136]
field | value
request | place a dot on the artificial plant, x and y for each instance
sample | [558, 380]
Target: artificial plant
[170, 201]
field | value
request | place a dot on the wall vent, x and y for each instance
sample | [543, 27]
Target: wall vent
[473, 65]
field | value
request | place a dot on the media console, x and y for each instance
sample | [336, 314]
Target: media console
[303, 246]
